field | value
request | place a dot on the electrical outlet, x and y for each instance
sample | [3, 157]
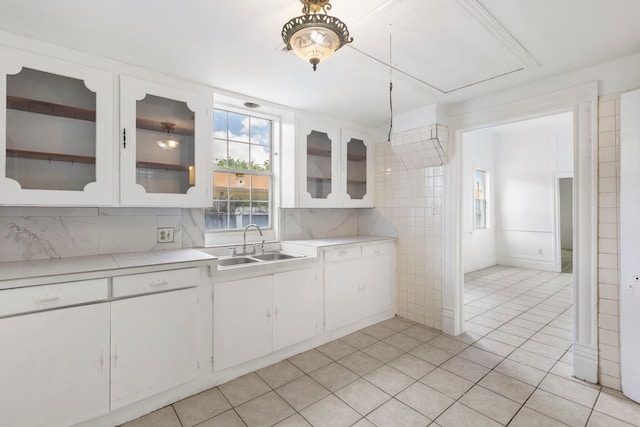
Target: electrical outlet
[165, 234]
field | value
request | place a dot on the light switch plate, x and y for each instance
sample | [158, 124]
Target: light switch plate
[165, 234]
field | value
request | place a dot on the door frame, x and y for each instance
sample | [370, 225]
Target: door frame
[583, 101]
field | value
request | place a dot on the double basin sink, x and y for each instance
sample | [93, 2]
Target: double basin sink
[249, 259]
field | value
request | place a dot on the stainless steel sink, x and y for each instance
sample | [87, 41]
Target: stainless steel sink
[273, 256]
[236, 261]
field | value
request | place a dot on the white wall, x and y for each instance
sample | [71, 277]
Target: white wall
[524, 160]
[478, 246]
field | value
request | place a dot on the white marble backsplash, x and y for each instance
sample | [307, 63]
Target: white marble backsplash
[32, 233]
[299, 224]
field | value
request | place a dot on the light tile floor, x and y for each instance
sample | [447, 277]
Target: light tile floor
[511, 367]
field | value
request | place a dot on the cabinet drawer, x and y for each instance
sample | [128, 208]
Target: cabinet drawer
[36, 298]
[158, 281]
[377, 249]
[342, 254]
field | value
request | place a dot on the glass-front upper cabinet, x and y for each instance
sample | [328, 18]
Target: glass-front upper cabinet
[56, 124]
[336, 167]
[165, 136]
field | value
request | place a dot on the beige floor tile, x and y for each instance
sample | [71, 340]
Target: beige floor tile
[336, 349]
[543, 349]
[459, 415]
[429, 402]
[527, 417]
[264, 411]
[533, 360]
[507, 386]
[431, 354]
[358, 340]
[524, 373]
[310, 360]
[412, 366]
[382, 351]
[362, 396]
[389, 380]
[397, 324]
[378, 331]
[448, 344]
[243, 389]
[403, 342]
[516, 330]
[280, 373]
[491, 404]
[481, 357]
[574, 391]
[360, 363]
[200, 407]
[330, 412]
[618, 407]
[226, 419]
[560, 343]
[302, 392]
[559, 408]
[495, 347]
[465, 368]
[447, 383]
[599, 419]
[165, 417]
[421, 333]
[333, 376]
[394, 413]
[363, 423]
[506, 338]
[294, 420]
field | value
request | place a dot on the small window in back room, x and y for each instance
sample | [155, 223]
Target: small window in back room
[481, 199]
[242, 174]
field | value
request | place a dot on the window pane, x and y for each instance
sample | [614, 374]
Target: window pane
[238, 155]
[259, 188]
[480, 199]
[219, 152]
[260, 157]
[260, 131]
[238, 127]
[220, 124]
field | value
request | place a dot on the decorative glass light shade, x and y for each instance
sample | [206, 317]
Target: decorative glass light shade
[170, 142]
[314, 37]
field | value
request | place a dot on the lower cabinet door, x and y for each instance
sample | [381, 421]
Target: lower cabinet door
[242, 321]
[377, 280]
[295, 305]
[342, 287]
[54, 368]
[153, 344]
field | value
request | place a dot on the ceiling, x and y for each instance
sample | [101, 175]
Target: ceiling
[440, 51]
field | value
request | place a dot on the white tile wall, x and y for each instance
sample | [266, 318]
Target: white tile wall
[409, 207]
[608, 240]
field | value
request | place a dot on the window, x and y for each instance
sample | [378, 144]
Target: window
[481, 199]
[242, 176]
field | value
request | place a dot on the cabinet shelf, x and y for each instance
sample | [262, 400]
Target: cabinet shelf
[165, 166]
[321, 152]
[50, 109]
[38, 155]
[156, 126]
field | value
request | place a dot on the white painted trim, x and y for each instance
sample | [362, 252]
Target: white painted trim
[583, 101]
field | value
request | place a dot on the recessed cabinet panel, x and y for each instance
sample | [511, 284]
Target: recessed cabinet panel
[165, 145]
[356, 169]
[55, 126]
[318, 165]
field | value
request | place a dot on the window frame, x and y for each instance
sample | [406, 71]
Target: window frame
[487, 198]
[216, 237]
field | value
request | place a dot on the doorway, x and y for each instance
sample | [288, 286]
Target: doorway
[564, 224]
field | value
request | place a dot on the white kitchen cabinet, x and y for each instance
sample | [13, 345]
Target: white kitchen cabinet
[164, 144]
[153, 344]
[334, 168]
[358, 283]
[256, 316]
[54, 366]
[56, 122]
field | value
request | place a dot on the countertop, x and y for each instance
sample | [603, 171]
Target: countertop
[26, 273]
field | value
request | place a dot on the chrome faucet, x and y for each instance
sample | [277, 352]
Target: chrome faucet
[244, 238]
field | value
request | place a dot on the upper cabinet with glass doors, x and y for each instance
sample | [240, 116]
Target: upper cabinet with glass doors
[336, 167]
[55, 124]
[164, 145]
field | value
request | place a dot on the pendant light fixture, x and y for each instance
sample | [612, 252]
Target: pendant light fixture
[315, 35]
[170, 142]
